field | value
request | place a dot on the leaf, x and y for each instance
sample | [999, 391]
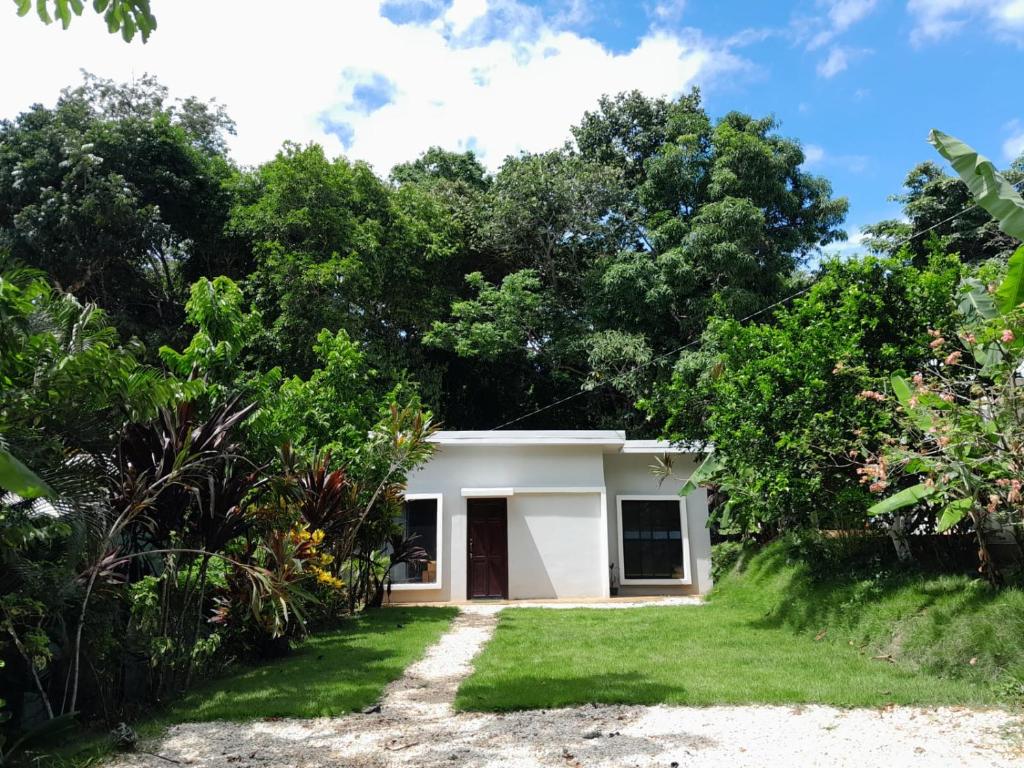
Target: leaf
[19, 479]
[904, 498]
[904, 393]
[953, 513]
[701, 474]
[992, 192]
[976, 302]
[1010, 294]
[24, 6]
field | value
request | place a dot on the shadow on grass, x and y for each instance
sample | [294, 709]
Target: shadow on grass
[547, 691]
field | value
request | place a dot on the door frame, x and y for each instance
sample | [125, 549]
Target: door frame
[469, 560]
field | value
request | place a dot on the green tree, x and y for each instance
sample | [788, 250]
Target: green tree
[627, 243]
[119, 196]
[941, 204]
[783, 402]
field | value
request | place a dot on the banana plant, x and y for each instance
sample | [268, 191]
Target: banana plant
[968, 418]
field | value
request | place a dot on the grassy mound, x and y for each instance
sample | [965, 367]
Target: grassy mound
[950, 626]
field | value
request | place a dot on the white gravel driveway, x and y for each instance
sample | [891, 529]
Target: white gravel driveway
[416, 726]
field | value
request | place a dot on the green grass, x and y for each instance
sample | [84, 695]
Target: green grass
[332, 673]
[769, 634]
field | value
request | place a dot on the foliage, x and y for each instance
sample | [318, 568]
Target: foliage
[782, 401]
[124, 16]
[962, 408]
[725, 555]
[942, 205]
[118, 193]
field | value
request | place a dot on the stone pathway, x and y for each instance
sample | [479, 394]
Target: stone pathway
[417, 726]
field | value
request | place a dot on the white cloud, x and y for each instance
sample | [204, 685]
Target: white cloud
[462, 13]
[835, 63]
[512, 81]
[813, 155]
[938, 19]
[1013, 147]
[816, 158]
[667, 10]
[840, 16]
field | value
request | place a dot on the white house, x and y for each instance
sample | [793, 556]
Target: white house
[553, 514]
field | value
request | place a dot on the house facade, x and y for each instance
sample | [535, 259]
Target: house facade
[553, 514]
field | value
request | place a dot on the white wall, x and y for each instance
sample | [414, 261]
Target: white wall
[629, 474]
[554, 545]
[453, 468]
[555, 539]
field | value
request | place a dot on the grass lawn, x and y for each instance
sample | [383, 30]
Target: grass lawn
[330, 674]
[759, 640]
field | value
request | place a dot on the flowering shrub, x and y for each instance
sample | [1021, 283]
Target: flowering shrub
[963, 412]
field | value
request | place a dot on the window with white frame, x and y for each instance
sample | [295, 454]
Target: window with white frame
[420, 519]
[653, 542]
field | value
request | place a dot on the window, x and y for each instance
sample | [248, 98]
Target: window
[421, 518]
[653, 545]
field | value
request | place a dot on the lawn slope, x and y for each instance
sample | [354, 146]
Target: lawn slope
[769, 634]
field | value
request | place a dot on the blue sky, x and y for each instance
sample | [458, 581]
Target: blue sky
[858, 82]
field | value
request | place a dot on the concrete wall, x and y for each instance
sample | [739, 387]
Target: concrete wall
[558, 545]
[554, 546]
[453, 468]
[629, 474]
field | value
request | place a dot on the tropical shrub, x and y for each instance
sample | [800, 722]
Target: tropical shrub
[781, 400]
[962, 410]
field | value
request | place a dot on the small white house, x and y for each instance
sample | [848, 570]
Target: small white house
[553, 514]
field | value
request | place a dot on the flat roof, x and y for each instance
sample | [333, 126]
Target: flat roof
[611, 440]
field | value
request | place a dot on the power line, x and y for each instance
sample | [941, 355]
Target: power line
[899, 244]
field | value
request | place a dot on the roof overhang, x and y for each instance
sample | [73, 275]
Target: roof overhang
[609, 440]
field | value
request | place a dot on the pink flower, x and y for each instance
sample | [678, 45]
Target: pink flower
[1014, 496]
[1007, 336]
[953, 358]
[993, 503]
[947, 397]
[918, 379]
[878, 486]
[870, 394]
[970, 338]
[937, 342]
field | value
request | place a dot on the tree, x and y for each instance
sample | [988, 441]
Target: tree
[624, 246]
[338, 249]
[119, 195]
[782, 401]
[124, 16]
[961, 410]
[941, 204]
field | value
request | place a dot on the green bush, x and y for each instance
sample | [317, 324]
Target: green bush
[724, 557]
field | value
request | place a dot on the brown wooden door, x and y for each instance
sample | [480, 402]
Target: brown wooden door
[488, 548]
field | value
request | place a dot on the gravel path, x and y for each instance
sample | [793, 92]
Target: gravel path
[416, 726]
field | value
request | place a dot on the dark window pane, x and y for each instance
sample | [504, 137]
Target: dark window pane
[652, 540]
[419, 519]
